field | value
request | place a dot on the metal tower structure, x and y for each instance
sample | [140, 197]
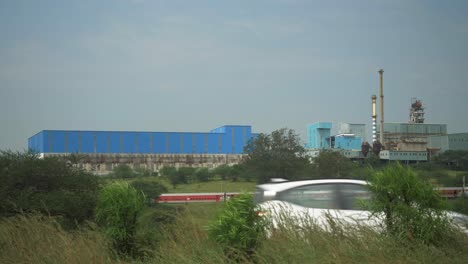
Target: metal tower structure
[416, 112]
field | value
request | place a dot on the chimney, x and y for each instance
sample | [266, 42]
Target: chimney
[374, 118]
[381, 71]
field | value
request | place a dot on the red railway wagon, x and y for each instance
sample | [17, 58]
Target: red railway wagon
[446, 192]
[193, 197]
[451, 192]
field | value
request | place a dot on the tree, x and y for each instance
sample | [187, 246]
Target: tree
[168, 171]
[222, 171]
[123, 171]
[185, 174]
[453, 159]
[118, 207]
[237, 171]
[150, 189]
[238, 228]
[48, 185]
[277, 155]
[202, 174]
[411, 208]
[178, 176]
[333, 164]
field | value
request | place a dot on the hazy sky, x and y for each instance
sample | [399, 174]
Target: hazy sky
[146, 65]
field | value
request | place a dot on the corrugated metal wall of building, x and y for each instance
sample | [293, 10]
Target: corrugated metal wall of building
[345, 142]
[317, 135]
[222, 140]
[407, 128]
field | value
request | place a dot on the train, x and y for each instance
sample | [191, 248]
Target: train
[445, 192]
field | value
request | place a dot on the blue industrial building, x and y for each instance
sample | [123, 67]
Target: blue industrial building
[346, 141]
[319, 137]
[229, 139]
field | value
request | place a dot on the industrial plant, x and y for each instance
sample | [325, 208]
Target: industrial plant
[412, 141]
[102, 151]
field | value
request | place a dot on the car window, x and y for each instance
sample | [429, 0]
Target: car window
[353, 196]
[322, 196]
[258, 196]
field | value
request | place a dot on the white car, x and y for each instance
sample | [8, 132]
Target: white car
[318, 200]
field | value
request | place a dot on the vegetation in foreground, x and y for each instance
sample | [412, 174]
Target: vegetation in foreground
[48, 208]
[21, 238]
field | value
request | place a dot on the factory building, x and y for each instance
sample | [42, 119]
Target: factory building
[319, 136]
[348, 140]
[442, 143]
[410, 136]
[104, 150]
[405, 156]
[359, 130]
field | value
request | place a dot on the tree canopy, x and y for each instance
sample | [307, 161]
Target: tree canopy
[332, 164]
[49, 185]
[276, 155]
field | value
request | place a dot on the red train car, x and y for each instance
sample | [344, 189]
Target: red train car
[193, 197]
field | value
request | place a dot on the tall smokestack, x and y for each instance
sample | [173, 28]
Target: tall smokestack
[374, 118]
[381, 107]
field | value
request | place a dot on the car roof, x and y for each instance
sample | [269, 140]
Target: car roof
[278, 187]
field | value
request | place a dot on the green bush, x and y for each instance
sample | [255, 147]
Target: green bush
[332, 164]
[152, 224]
[459, 205]
[238, 228]
[123, 171]
[202, 174]
[168, 171]
[48, 185]
[150, 189]
[118, 207]
[411, 209]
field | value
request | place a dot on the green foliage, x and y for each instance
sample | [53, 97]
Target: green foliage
[117, 210]
[453, 159]
[238, 229]
[222, 171]
[332, 164]
[279, 155]
[36, 238]
[168, 171]
[459, 205]
[150, 189]
[143, 172]
[49, 185]
[412, 210]
[178, 176]
[123, 171]
[372, 160]
[152, 225]
[202, 174]
[238, 171]
[185, 174]
[213, 186]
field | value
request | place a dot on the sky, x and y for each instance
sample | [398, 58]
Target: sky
[142, 65]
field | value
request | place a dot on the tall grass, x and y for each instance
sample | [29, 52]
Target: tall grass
[348, 244]
[39, 239]
[308, 243]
